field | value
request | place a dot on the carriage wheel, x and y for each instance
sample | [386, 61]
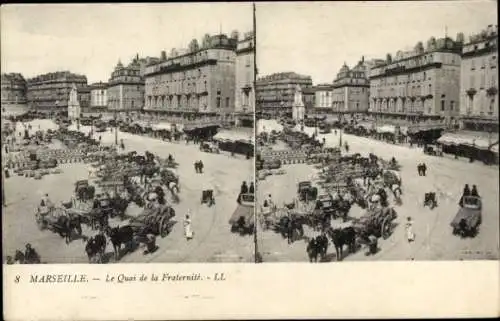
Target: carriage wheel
[386, 228]
[163, 226]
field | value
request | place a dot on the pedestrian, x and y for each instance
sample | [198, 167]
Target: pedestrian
[419, 169]
[6, 172]
[244, 188]
[251, 189]
[409, 230]
[424, 168]
[188, 231]
[100, 138]
[372, 245]
[474, 191]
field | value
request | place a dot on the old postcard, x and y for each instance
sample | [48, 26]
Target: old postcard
[157, 158]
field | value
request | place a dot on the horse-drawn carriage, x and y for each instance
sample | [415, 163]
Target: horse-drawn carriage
[242, 220]
[468, 217]
[58, 220]
[378, 222]
[306, 191]
[154, 220]
[433, 150]
[84, 191]
[209, 147]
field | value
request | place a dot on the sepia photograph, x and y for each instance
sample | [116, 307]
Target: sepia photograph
[128, 133]
[377, 131]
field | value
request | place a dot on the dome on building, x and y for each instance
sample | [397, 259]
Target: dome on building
[119, 65]
[344, 68]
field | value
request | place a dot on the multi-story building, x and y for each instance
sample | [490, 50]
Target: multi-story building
[323, 97]
[198, 82]
[13, 89]
[84, 98]
[125, 91]
[98, 96]
[420, 85]
[479, 82]
[245, 70]
[351, 87]
[275, 93]
[50, 92]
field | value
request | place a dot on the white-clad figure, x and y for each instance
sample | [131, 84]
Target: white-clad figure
[409, 230]
[188, 231]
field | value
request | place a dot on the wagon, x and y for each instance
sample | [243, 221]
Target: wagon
[209, 147]
[468, 217]
[155, 220]
[306, 191]
[378, 222]
[242, 220]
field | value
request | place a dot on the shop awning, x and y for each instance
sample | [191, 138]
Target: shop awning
[162, 126]
[234, 136]
[483, 141]
[386, 129]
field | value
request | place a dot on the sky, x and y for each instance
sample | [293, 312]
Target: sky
[89, 39]
[317, 38]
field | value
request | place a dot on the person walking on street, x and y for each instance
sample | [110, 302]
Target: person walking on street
[424, 169]
[409, 230]
[251, 189]
[188, 232]
[474, 191]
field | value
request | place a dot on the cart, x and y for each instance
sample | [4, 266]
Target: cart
[243, 220]
[378, 222]
[469, 217]
[155, 220]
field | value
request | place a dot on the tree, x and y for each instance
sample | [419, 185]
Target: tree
[460, 37]
[173, 53]
[194, 46]
[206, 41]
[388, 58]
[235, 34]
[419, 47]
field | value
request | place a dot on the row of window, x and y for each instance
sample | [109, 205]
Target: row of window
[482, 62]
[482, 81]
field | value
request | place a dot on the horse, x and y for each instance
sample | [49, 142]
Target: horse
[95, 248]
[288, 226]
[322, 244]
[67, 224]
[312, 250]
[120, 235]
[341, 237]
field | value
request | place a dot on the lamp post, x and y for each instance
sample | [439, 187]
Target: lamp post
[115, 116]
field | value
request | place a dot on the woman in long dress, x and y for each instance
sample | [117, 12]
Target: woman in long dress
[409, 230]
[188, 232]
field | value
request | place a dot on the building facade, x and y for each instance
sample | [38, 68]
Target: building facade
[323, 97]
[13, 89]
[245, 71]
[350, 93]
[50, 92]
[125, 92]
[420, 85]
[98, 96]
[275, 93]
[479, 82]
[199, 82]
[84, 98]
